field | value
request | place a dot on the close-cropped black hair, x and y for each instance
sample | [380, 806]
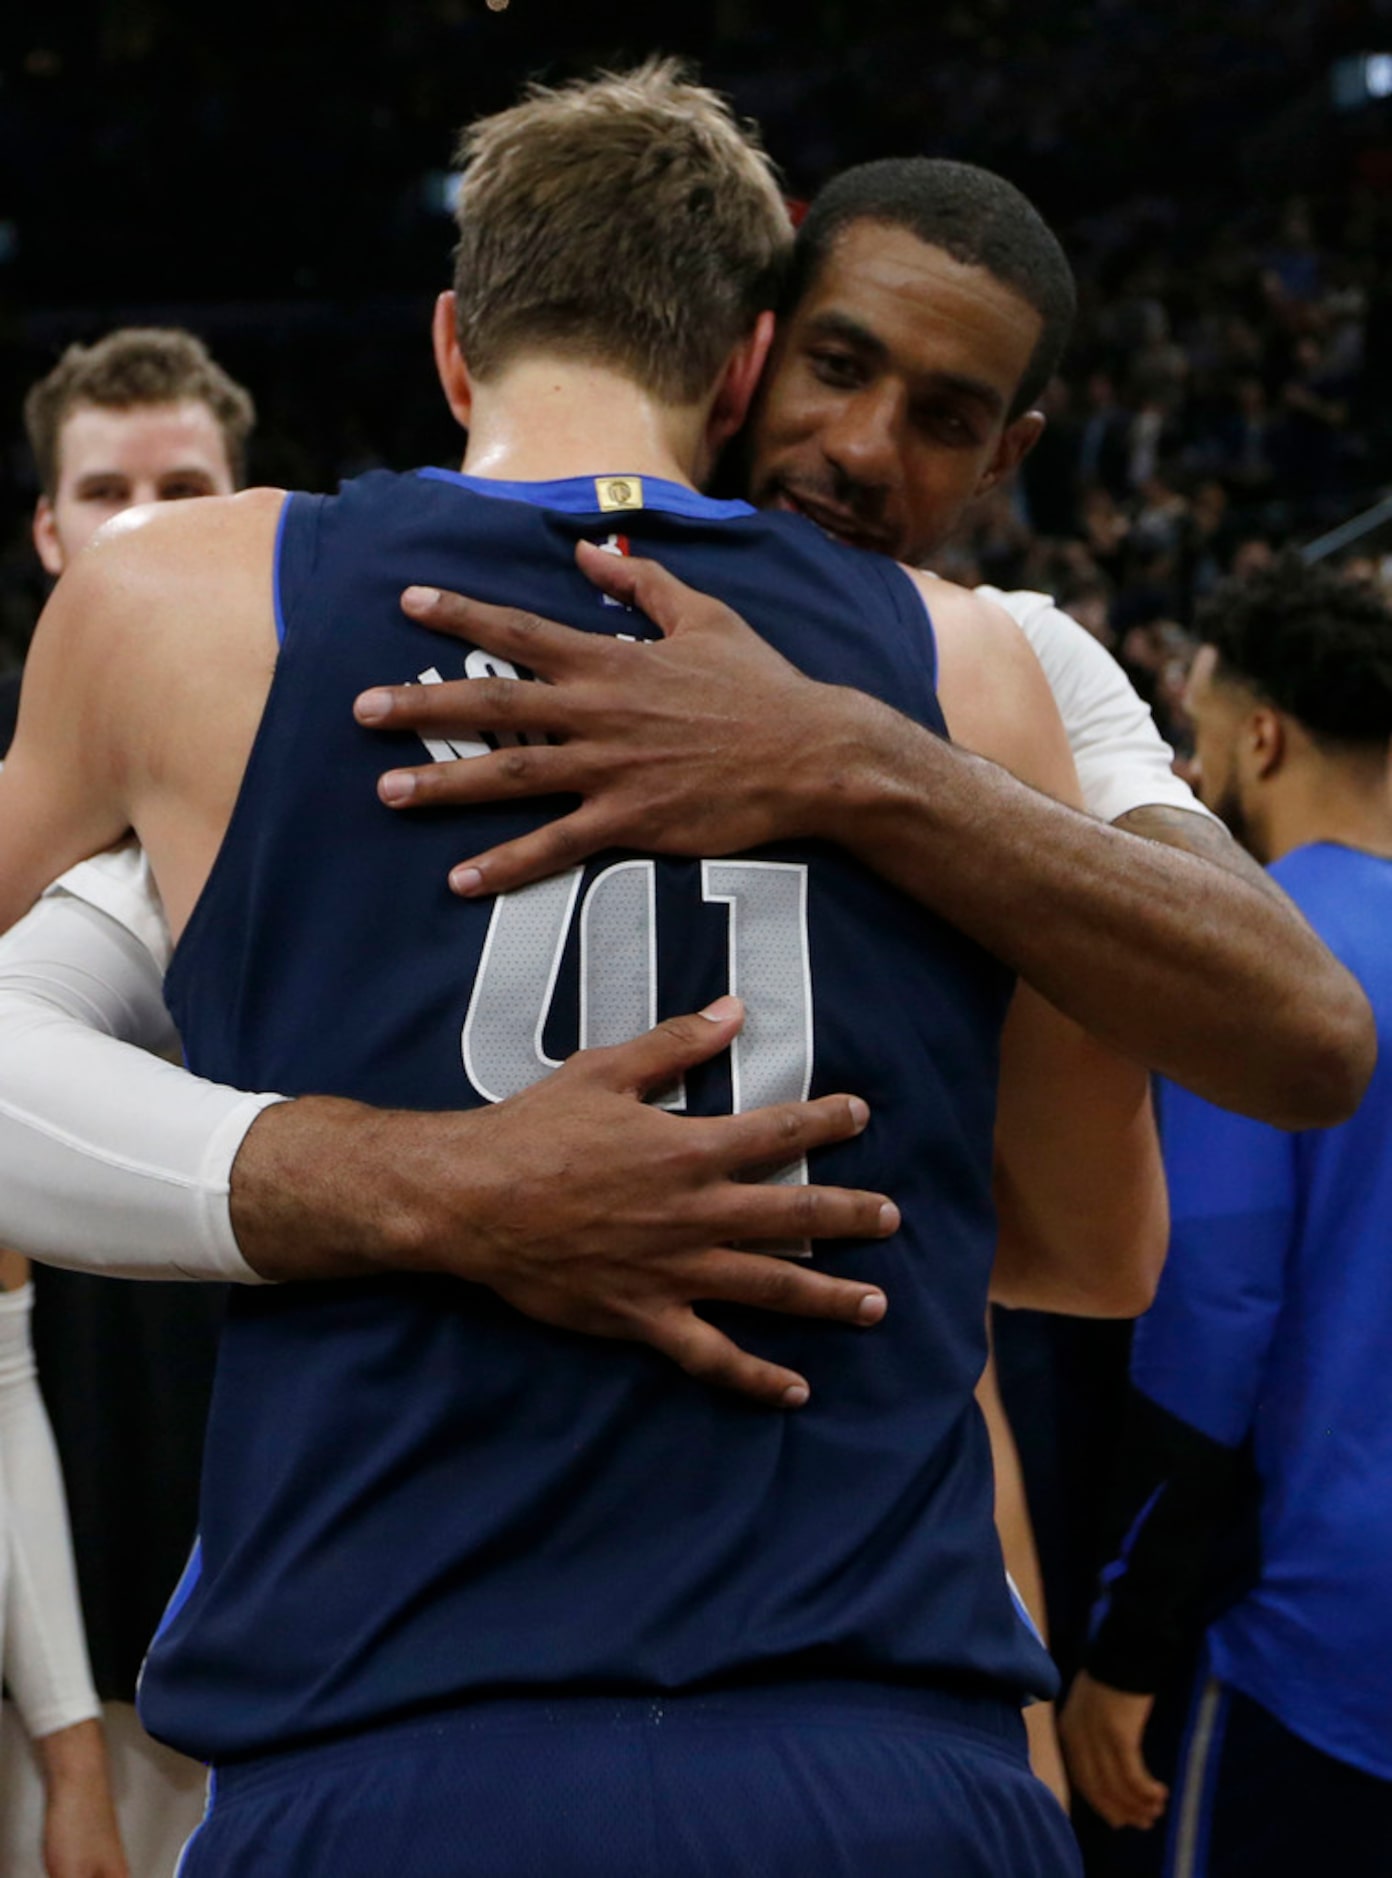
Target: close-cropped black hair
[1311, 641]
[975, 216]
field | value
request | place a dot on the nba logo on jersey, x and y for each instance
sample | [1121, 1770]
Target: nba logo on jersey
[615, 544]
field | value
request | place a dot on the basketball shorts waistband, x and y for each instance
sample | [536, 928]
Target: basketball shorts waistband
[989, 1716]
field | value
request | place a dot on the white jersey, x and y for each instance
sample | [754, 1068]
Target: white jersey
[1123, 762]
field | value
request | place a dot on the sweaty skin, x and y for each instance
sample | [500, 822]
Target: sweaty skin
[889, 405]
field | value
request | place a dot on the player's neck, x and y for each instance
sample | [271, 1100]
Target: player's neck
[1345, 802]
[544, 420]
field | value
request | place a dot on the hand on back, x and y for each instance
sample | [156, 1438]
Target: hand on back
[704, 742]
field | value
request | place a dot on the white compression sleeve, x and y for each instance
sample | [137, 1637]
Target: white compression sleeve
[111, 1160]
[45, 1649]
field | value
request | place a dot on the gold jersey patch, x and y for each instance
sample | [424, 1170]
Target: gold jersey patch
[619, 492]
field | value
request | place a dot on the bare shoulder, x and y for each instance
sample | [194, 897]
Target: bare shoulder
[992, 688]
[167, 606]
[163, 543]
[143, 689]
[200, 520]
[971, 625]
[163, 567]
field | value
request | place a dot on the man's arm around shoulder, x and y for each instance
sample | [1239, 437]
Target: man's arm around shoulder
[1181, 964]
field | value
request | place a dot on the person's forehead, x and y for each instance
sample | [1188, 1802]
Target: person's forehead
[150, 439]
[922, 303]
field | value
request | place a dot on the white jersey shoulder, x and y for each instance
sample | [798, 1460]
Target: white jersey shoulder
[1123, 762]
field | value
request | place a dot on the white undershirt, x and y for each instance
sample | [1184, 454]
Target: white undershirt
[1123, 762]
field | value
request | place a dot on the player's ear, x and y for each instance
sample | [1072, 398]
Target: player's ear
[1266, 741]
[738, 383]
[1016, 442]
[45, 527]
[450, 362]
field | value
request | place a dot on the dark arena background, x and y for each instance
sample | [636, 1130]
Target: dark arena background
[277, 179]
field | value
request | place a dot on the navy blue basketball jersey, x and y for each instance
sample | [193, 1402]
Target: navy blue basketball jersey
[415, 1495]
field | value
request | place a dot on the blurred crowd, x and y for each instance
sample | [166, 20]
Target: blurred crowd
[1227, 391]
[1212, 413]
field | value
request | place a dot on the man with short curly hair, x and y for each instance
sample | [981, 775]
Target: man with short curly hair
[1267, 1346]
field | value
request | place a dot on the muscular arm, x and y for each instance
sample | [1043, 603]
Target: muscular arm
[708, 743]
[1208, 840]
[1079, 1186]
[1181, 963]
[1075, 1132]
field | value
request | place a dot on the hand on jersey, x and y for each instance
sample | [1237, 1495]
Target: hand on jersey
[1102, 1730]
[705, 742]
[614, 1217]
[579, 1202]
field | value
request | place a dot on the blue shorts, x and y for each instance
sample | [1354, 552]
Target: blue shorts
[818, 1781]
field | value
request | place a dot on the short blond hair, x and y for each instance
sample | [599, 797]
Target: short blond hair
[628, 219]
[133, 366]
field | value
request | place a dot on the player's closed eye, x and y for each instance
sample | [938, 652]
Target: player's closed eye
[836, 368]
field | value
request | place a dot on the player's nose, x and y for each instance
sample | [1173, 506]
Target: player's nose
[862, 441]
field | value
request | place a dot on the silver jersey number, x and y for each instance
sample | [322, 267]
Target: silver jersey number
[769, 968]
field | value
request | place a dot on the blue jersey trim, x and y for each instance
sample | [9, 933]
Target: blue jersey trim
[209, 1802]
[275, 571]
[896, 577]
[1022, 1611]
[575, 495]
[183, 1591]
